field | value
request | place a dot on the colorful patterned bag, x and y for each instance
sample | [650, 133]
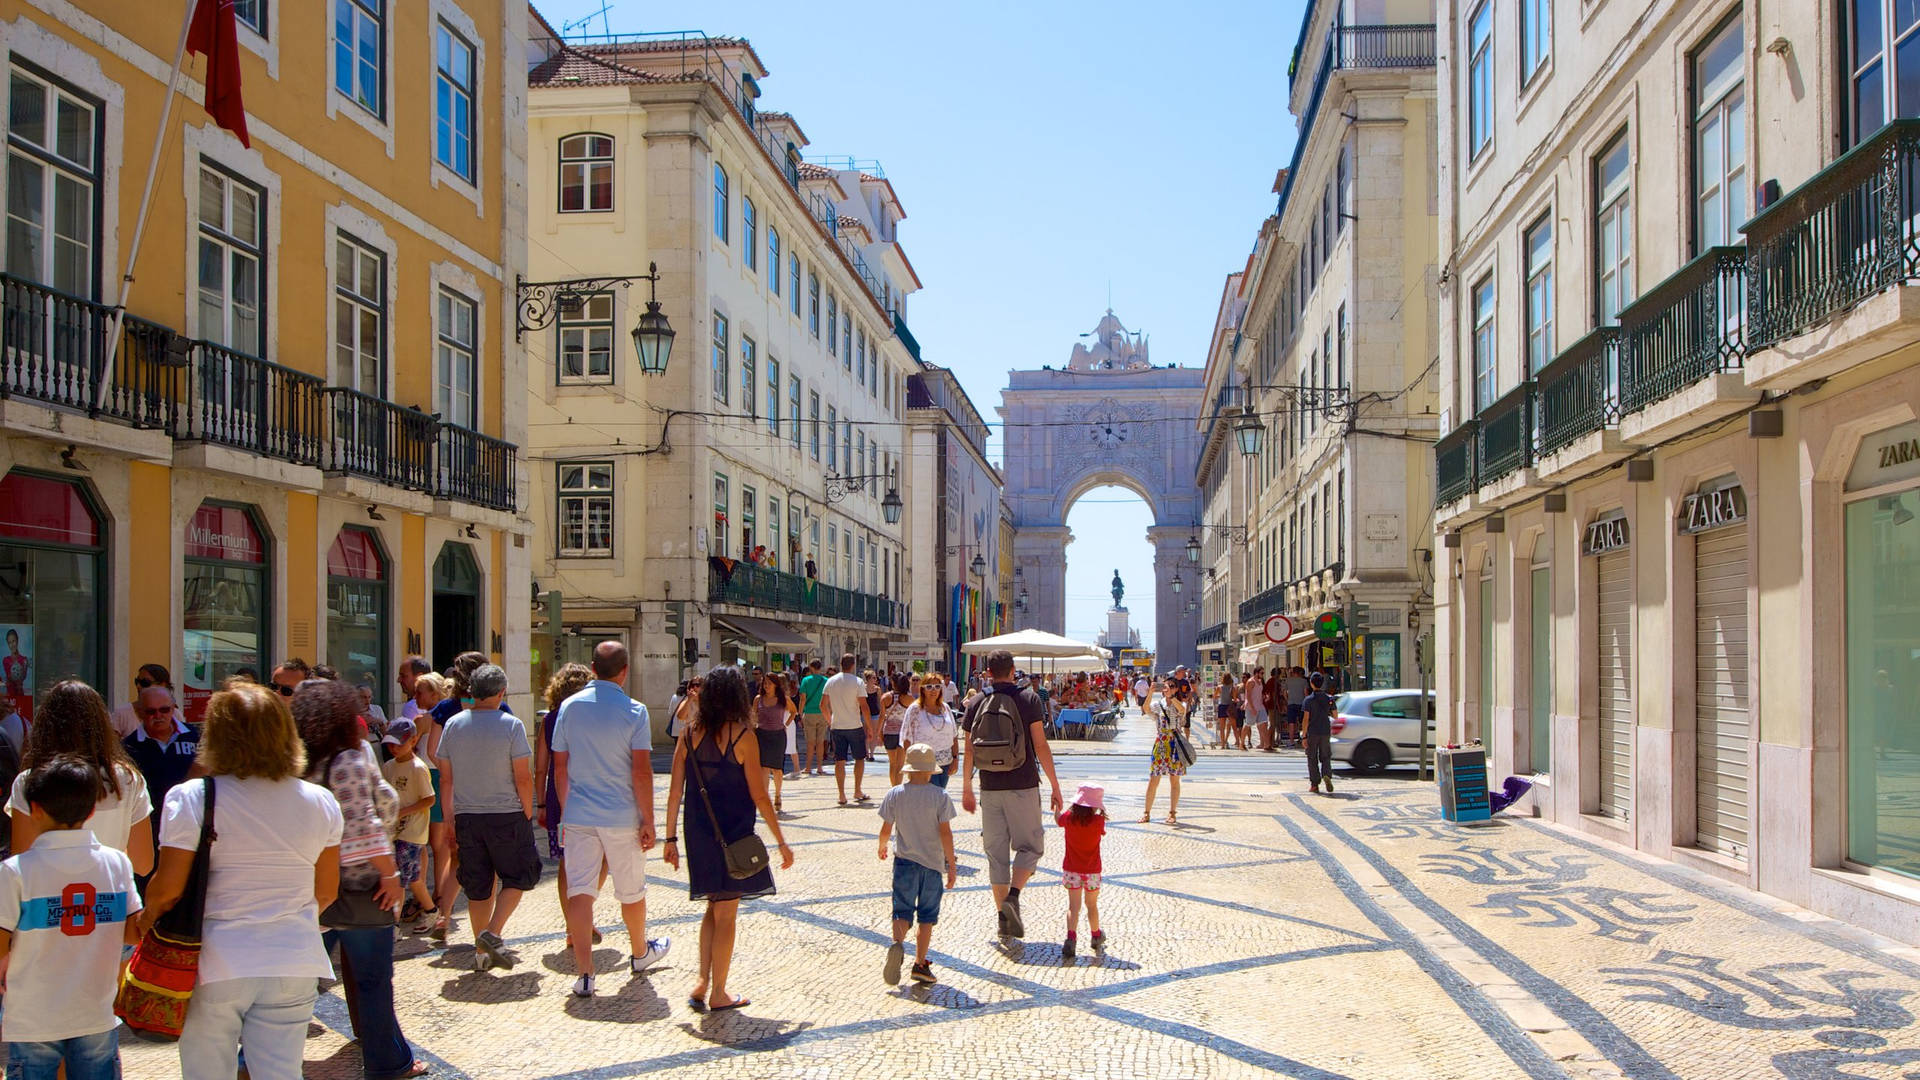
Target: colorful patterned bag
[160, 978]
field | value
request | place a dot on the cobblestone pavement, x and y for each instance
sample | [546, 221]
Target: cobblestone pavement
[1271, 932]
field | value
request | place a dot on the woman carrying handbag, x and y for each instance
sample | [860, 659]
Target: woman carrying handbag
[719, 757]
[1172, 752]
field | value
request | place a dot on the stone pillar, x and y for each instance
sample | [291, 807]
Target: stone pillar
[1174, 629]
[1040, 554]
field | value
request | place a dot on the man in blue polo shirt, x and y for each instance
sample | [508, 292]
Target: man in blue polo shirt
[162, 748]
[603, 774]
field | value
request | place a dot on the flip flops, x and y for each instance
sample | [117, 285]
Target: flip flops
[737, 1003]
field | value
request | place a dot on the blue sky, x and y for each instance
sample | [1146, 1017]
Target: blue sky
[1045, 152]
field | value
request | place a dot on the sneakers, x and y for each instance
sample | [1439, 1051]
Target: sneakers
[490, 951]
[1010, 913]
[656, 952]
[425, 923]
[583, 986]
[438, 932]
[1099, 940]
[923, 974]
[896, 954]
[1066, 948]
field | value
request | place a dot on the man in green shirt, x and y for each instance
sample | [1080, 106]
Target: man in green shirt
[812, 723]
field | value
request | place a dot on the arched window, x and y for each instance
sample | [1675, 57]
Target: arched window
[52, 619]
[225, 596]
[586, 173]
[357, 606]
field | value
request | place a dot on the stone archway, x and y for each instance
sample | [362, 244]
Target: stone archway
[1108, 418]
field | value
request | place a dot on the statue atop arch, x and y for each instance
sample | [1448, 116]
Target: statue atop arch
[1115, 348]
[1119, 589]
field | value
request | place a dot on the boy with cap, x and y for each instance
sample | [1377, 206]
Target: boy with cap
[409, 777]
[922, 813]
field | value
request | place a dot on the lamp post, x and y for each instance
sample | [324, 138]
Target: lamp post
[541, 302]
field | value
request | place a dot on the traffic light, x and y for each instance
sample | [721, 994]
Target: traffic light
[1357, 613]
[553, 612]
[676, 619]
[690, 651]
[1423, 652]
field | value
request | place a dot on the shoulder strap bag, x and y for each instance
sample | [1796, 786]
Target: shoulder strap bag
[746, 856]
[160, 976]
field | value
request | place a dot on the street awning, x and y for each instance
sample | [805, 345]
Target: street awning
[777, 636]
[1251, 654]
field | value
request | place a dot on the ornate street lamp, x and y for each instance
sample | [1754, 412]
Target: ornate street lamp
[652, 337]
[978, 565]
[1193, 549]
[1176, 581]
[1021, 600]
[1249, 432]
[539, 303]
[890, 505]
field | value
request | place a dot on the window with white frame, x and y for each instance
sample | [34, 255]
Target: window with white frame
[456, 360]
[773, 257]
[53, 183]
[1484, 375]
[833, 435]
[586, 508]
[749, 519]
[721, 203]
[848, 463]
[586, 339]
[773, 396]
[453, 101]
[720, 362]
[749, 389]
[860, 356]
[359, 317]
[720, 519]
[813, 424]
[846, 339]
[833, 551]
[1538, 242]
[586, 173]
[813, 303]
[1884, 62]
[1340, 355]
[232, 240]
[749, 234]
[833, 327]
[793, 410]
[1479, 79]
[360, 53]
[793, 281]
[1720, 135]
[251, 14]
[1536, 37]
[1613, 229]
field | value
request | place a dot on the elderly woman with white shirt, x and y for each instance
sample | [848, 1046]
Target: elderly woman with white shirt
[273, 865]
[73, 719]
[929, 720]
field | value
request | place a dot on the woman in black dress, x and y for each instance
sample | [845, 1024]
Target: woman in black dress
[720, 744]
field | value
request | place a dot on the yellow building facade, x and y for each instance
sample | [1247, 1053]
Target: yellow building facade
[302, 444]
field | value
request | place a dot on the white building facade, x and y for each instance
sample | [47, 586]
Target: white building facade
[733, 508]
[1678, 486]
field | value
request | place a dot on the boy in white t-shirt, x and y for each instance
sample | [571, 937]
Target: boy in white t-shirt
[410, 778]
[66, 907]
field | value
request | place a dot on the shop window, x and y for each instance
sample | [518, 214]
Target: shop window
[52, 619]
[1883, 679]
[226, 599]
[357, 606]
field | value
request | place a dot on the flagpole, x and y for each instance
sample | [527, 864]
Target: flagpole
[118, 317]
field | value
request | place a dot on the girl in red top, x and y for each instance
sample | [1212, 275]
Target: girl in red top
[1084, 823]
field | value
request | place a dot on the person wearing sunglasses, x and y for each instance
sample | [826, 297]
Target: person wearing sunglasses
[289, 675]
[162, 747]
[126, 717]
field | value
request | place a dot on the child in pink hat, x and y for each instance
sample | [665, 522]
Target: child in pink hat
[1084, 823]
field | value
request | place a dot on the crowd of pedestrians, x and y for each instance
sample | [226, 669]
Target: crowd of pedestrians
[298, 831]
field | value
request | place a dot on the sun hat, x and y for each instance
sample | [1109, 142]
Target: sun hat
[920, 759]
[1092, 796]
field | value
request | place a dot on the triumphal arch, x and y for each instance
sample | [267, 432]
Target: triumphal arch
[1108, 417]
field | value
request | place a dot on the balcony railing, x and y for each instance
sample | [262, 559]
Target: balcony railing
[1851, 231]
[1684, 329]
[1216, 632]
[251, 404]
[1407, 45]
[906, 337]
[762, 586]
[1576, 393]
[53, 348]
[1503, 441]
[1453, 463]
[473, 468]
[1256, 608]
[379, 440]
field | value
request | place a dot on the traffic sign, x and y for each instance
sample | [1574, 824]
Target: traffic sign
[1279, 628]
[1328, 626]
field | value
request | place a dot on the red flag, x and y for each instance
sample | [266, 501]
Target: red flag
[213, 34]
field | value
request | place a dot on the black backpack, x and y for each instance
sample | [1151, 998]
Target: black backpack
[999, 734]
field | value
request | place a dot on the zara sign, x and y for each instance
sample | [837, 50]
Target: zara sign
[1713, 509]
[1604, 535]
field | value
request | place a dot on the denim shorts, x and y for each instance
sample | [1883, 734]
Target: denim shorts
[917, 891]
[87, 1057]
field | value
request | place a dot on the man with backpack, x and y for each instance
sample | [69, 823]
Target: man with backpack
[1007, 743]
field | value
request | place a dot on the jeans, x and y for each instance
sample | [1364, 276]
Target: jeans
[1319, 759]
[366, 976]
[87, 1057]
[266, 1015]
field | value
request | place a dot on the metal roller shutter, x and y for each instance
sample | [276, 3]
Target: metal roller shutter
[1615, 683]
[1722, 719]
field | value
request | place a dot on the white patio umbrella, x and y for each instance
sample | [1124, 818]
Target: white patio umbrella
[1029, 643]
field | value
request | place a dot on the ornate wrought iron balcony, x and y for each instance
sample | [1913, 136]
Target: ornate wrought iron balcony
[1684, 329]
[749, 585]
[54, 348]
[1503, 438]
[1257, 607]
[1576, 393]
[1453, 463]
[251, 404]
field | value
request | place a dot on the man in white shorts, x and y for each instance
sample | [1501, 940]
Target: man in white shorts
[603, 773]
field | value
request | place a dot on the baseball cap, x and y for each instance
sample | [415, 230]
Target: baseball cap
[399, 731]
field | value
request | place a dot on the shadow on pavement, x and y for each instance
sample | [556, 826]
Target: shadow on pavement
[738, 1031]
[560, 962]
[634, 1003]
[940, 997]
[481, 988]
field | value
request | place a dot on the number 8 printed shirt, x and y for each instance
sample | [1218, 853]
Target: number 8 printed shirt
[66, 900]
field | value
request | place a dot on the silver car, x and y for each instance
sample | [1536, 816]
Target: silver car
[1373, 729]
